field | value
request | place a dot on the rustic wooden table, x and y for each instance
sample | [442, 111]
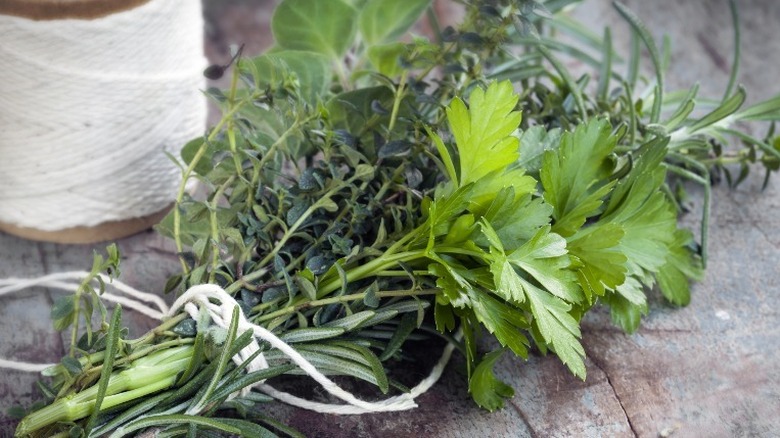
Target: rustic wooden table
[709, 370]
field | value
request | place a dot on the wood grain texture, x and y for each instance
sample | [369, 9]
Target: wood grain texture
[711, 369]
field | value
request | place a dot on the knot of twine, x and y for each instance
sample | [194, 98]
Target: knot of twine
[219, 306]
[91, 109]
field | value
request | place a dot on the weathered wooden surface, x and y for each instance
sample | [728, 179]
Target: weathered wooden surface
[709, 370]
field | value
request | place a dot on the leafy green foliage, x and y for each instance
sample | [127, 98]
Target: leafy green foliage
[366, 191]
[489, 392]
[383, 21]
[575, 176]
[602, 264]
[680, 264]
[310, 70]
[69, 310]
[482, 132]
[316, 26]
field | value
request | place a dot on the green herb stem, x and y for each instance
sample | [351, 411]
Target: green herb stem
[145, 376]
[142, 352]
[366, 270]
[215, 227]
[343, 299]
[399, 95]
[188, 173]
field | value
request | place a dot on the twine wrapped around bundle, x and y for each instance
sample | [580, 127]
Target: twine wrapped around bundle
[94, 95]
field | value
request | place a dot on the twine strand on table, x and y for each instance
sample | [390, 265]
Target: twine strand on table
[219, 306]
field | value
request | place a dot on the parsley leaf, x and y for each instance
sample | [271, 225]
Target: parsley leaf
[503, 321]
[558, 328]
[546, 259]
[482, 132]
[485, 388]
[516, 219]
[602, 264]
[575, 175]
[624, 313]
[681, 265]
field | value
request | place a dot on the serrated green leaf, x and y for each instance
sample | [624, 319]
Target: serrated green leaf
[515, 219]
[485, 189]
[575, 176]
[490, 234]
[486, 390]
[546, 259]
[602, 263]
[633, 291]
[559, 329]
[509, 285]
[444, 210]
[534, 142]
[647, 217]
[624, 313]
[444, 317]
[502, 320]
[682, 265]
[483, 131]
[452, 284]
[460, 230]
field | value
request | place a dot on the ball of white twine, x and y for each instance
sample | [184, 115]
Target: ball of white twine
[89, 109]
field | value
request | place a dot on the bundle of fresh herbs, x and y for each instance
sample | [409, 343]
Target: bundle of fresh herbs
[366, 190]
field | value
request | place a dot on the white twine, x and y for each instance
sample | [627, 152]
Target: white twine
[219, 306]
[88, 109]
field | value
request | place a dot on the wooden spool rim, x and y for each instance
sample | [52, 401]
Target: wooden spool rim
[107, 231]
[62, 9]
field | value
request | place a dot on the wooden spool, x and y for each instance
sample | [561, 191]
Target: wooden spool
[61, 9]
[77, 9]
[99, 233]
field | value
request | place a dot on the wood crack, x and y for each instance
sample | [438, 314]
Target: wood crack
[615, 393]
[532, 433]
